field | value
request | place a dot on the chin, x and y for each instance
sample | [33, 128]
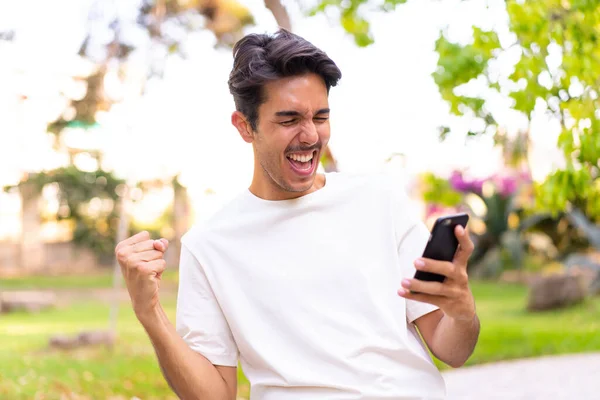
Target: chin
[304, 187]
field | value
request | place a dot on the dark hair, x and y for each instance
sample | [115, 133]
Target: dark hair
[262, 58]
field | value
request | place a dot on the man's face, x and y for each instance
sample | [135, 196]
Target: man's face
[292, 131]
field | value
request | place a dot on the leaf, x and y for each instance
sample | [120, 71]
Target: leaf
[390, 5]
[558, 45]
[443, 132]
[323, 5]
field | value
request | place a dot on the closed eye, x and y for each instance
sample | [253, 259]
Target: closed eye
[288, 122]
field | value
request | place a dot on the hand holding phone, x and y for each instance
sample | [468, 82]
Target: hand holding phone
[442, 244]
[441, 278]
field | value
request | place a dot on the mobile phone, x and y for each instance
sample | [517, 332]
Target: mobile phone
[442, 244]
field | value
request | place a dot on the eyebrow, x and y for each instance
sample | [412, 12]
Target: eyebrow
[296, 113]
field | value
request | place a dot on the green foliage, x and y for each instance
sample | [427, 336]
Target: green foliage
[439, 191]
[458, 65]
[94, 227]
[558, 69]
[569, 187]
[352, 19]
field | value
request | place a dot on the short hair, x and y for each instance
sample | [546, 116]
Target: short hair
[263, 58]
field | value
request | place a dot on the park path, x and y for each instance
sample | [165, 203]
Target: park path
[557, 377]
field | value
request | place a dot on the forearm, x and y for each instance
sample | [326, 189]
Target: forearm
[190, 375]
[454, 341]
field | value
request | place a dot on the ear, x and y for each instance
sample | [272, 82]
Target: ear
[243, 126]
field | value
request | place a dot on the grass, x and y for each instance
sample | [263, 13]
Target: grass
[97, 280]
[508, 331]
[29, 371]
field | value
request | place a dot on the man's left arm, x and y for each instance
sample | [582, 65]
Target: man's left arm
[452, 331]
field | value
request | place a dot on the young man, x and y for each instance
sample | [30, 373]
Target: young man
[305, 278]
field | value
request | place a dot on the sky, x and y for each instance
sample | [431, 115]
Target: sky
[386, 103]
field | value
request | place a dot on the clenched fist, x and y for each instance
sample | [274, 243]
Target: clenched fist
[142, 263]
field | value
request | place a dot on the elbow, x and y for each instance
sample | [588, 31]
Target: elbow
[456, 363]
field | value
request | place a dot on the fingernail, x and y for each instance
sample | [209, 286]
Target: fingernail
[419, 263]
[405, 283]
[402, 292]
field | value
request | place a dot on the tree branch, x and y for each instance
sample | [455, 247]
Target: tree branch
[280, 13]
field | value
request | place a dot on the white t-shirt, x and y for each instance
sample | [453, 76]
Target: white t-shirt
[303, 293]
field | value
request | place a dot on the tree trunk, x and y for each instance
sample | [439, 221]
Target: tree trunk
[180, 221]
[32, 256]
[122, 232]
[283, 20]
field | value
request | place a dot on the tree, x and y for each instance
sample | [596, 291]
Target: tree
[351, 16]
[556, 76]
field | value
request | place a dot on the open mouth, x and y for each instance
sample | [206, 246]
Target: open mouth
[303, 163]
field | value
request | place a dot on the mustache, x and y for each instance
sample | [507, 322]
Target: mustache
[295, 149]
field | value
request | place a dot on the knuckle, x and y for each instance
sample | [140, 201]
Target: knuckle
[469, 246]
[121, 254]
[453, 292]
[415, 286]
[449, 266]
[138, 265]
[437, 288]
[462, 276]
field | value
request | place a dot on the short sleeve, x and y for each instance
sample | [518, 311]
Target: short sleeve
[411, 238]
[200, 320]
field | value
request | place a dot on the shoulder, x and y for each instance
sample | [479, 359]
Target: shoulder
[201, 231]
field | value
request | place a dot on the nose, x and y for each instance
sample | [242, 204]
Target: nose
[308, 134]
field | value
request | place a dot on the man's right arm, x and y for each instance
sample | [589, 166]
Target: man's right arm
[189, 374]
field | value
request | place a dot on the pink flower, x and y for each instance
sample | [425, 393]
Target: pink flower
[458, 183]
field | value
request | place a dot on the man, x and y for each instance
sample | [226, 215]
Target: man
[305, 278]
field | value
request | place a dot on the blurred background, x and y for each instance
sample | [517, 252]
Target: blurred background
[115, 118]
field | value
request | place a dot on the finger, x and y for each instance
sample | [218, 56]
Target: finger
[424, 298]
[161, 245]
[155, 267]
[465, 246]
[158, 245]
[149, 255]
[416, 285]
[138, 237]
[143, 246]
[437, 267]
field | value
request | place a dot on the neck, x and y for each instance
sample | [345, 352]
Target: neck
[264, 187]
